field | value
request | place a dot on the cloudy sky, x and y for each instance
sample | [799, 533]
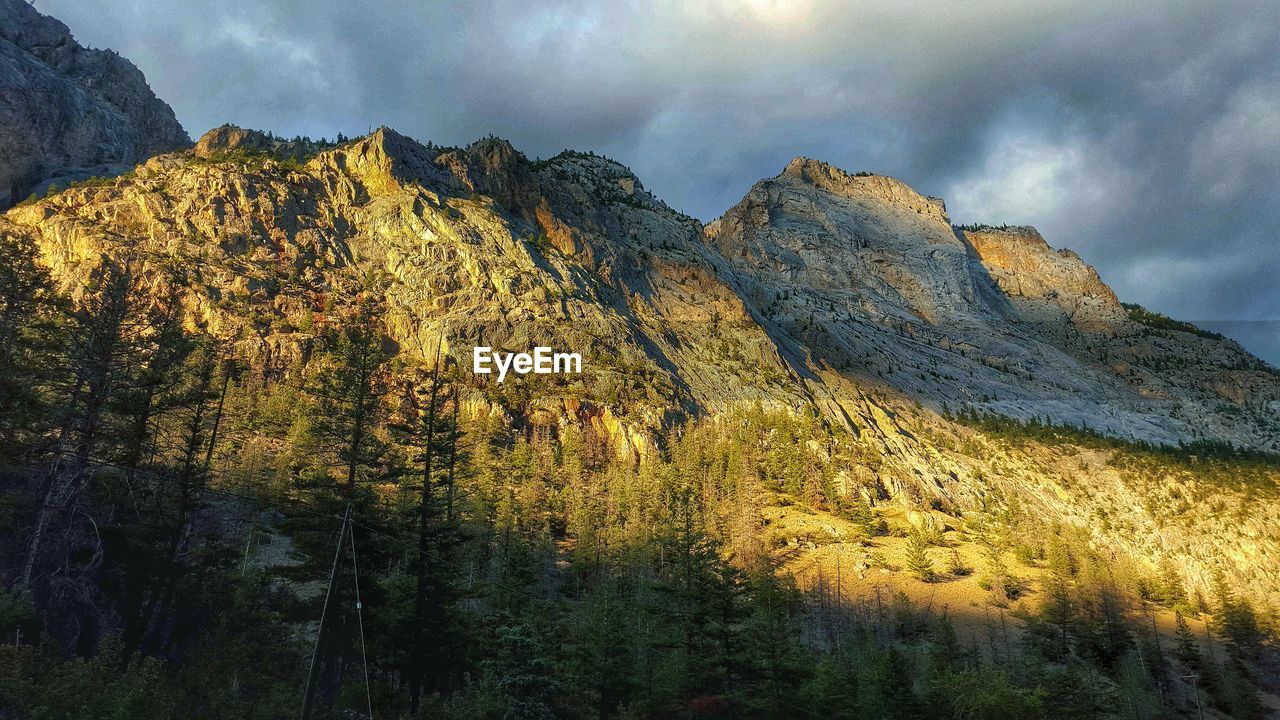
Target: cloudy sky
[1145, 136]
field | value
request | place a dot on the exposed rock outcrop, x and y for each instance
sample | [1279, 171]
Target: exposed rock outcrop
[68, 112]
[230, 138]
[875, 283]
[815, 271]
[1044, 284]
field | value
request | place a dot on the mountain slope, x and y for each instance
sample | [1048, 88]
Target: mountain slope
[68, 112]
[850, 295]
[873, 279]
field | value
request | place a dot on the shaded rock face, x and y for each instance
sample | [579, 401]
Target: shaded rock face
[69, 112]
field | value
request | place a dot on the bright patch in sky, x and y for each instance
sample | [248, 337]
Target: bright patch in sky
[1024, 180]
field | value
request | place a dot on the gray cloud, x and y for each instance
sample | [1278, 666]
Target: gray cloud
[1144, 136]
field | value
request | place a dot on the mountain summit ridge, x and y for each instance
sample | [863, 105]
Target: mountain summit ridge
[835, 180]
[824, 270]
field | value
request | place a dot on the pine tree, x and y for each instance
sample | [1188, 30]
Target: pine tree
[29, 308]
[605, 627]
[350, 386]
[1058, 608]
[350, 410]
[427, 427]
[192, 403]
[526, 673]
[917, 556]
[146, 388]
[98, 335]
[1187, 648]
[776, 659]
[1171, 589]
[1236, 621]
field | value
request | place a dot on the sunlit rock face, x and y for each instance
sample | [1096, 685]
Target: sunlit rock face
[848, 296]
[69, 112]
[868, 237]
[818, 276]
[229, 139]
[1044, 285]
[570, 253]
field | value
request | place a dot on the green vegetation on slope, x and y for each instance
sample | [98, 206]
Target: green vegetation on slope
[1210, 460]
[191, 532]
[1137, 313]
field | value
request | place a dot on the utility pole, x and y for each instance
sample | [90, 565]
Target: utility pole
[308, 696]
[228, 366]
[1195, 689]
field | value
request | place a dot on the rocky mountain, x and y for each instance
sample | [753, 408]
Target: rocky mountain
[874, 280]
[830, 388]
[850, 295]
[68, 112]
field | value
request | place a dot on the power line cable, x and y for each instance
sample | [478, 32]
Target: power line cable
[364, 656]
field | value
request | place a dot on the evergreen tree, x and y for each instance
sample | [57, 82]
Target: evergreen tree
[1187, 648]
[917, 556]
[349, 417]
[350, 386]
[29, 309]
[146, 387]
[778, 665]
[180, 491]
[100, 330]
[525, 673]
[605, 626]
[427, 427]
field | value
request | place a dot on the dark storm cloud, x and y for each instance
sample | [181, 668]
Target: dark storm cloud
[1144, 136]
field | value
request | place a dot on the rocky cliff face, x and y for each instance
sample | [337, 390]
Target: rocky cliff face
[570, 253]
[873, 280]
[68, 112]
[850, 296]
[870, 239]
[1044, 285]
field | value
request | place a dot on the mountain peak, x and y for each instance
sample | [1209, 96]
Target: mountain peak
[1027, 234]
[806, 168]
[862, 185]
[399, 147]
[595, 166]
[382, 161]
[228, 137]
[494, 146]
